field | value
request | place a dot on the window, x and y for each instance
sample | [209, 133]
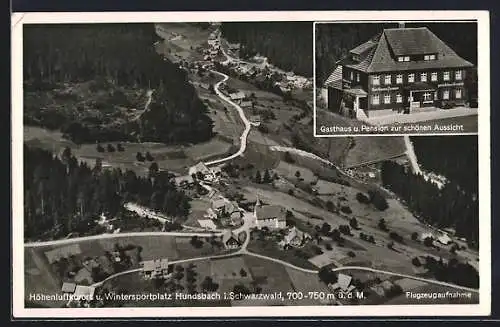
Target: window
[351, 76]
[375, 99]
[411, 78]
[399, 79]
[423, 77]
[387, 80]
[427, 97]
[458, 94]
[376, 80]
[434, 77]
[387, 98]
[400, 59]
[357, 77]
[426, 57]
[406, 58]
[458, 75]
[430, 57]
[446, 95]
[446, 76]
[399, 98]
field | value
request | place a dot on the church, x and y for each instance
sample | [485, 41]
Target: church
[400, 70]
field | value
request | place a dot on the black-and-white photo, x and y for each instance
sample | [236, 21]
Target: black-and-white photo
[396, 78]
[174, 165]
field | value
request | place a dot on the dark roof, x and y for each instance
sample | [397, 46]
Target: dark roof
[411, 41]
[270, 212]
[382, 56]
[335, 79]
[363, 47]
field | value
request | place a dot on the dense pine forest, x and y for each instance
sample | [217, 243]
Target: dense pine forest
[288, 45]
[334, 41]
[119, 59]
[63, 196]
[455, 157]
[451, 206]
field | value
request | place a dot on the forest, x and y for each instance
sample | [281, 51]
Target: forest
[454, 157]
[117, 57]
[334, 41]
[63, 196]
[288, 45]
[450, 206]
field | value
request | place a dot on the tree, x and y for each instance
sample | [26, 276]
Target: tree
[353, 223]
[429, 241]
[344, 229]
[196, 242]
[149, 157]
[111, 148]
[351, 254]
[414, 236]
[243, 273]
[328, 246]
[371, 239]
[362, 198]
[140, 157]
[325, 228]
[297, 174]
[378, 200]
[396, 237]
[390, 245]
[120, 147]
[153, 169]
[288, 157]
[327, 276]
[329, 205]
[100, 148]
[290, 192]
[382, 225]
[267, 177]
[258, 177]
[416, 262]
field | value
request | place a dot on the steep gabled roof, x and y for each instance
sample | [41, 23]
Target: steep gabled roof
[380, 53]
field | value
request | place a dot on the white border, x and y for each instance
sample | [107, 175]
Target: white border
[483, 29]
[18, 19]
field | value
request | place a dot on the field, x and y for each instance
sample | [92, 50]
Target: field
[172, 158]
[289, 171]
[41, 278]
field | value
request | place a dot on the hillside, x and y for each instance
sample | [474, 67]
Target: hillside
[288, 45]
[92, 82]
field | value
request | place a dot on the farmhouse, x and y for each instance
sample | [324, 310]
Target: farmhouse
[68, 287]
[223, 207]
[230, 241]
[444, 239]
[237, 96]
[153, 269]
[343, 283]
[400, 70]
[184, 181]
[270, 216]
[199, 168]
[294, 238]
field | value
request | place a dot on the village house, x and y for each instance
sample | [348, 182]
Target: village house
[68, 288]
[400, 70]
[343, 283]
[246, 104]
[184, 181]
[223, 207]
[153, 269]
[255, 120]
[382, 288]
[294, 238]
[270, 216]
[237, 96]
[199, 168]
[230, 241]
[444, 239]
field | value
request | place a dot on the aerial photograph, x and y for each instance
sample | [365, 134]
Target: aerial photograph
[396, 78]
[175, 165]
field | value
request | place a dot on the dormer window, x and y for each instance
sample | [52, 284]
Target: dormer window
[404, 58]
[430, 57]
[356, 57]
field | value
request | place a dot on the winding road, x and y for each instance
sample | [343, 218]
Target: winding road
[244, 135]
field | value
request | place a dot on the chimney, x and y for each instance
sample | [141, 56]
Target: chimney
[401, 24]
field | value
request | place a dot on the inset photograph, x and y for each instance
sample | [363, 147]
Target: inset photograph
[395, 78]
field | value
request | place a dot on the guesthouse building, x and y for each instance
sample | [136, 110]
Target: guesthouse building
[400, 70]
